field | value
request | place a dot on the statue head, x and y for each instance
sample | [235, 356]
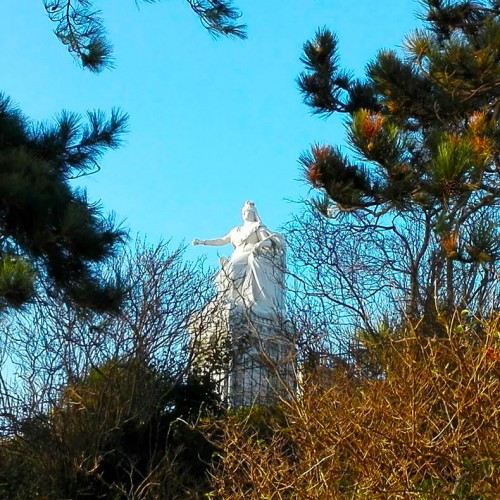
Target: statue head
[249, 212]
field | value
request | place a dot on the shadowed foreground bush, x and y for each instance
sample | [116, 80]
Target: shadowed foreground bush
[122, 432]
[427, 428]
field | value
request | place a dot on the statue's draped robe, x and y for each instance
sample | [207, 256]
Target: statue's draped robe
[253, 279]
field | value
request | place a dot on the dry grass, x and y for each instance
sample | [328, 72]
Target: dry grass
[429, 428]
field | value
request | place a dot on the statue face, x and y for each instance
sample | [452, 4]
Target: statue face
[248, 213]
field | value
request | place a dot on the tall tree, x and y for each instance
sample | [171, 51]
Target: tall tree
[425, 130]
[80, 28]
[48, 228]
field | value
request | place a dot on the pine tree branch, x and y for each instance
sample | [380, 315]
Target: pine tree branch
[75, 148]
[324, 87]
[46, 225]
[446, 17]
[219, 17]
[79, 27]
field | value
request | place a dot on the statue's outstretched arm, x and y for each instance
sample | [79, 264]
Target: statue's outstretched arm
[217, 242]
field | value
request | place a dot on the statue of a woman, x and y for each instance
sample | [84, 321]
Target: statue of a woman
[254, 274]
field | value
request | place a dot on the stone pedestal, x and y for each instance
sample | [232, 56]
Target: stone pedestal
[250, 357]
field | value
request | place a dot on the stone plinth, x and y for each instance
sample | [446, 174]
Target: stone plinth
[250, 357]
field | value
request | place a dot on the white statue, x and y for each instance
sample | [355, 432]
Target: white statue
[254, 274]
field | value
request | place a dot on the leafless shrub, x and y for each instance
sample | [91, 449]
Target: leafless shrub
[353, 273]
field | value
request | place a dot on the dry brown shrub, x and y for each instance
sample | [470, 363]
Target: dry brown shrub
[428, 428]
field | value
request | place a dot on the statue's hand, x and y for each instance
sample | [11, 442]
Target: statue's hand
[197, 242]
[262, 246]
[257, 248]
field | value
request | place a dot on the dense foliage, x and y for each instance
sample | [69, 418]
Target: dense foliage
[49, 229]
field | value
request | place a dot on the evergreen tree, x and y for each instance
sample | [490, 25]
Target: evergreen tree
[80, 28]
[425, 130]
[50, 229]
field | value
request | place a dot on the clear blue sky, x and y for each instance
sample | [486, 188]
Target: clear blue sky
[212, 122]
